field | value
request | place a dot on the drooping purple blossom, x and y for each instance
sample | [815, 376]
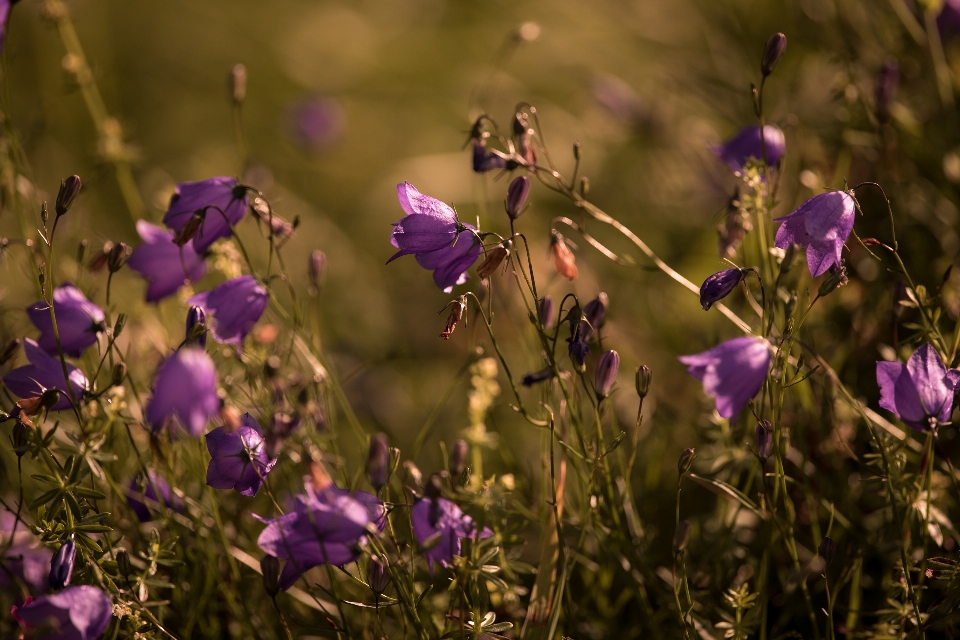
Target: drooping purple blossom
[78, 321]
[822, 225]
[432, 516]
[732, 372]
[45, 372]
[919, 392]
[429, 224]
[77, 613]
[164, 265]
[185, 390]
[736, 151]
[450, 264]
[29, 564]
[233, 308]
[578, 347]
[719, 286]
[154, 489]
[594, 314]
[217, 200]
[238, 459]
[485, 160]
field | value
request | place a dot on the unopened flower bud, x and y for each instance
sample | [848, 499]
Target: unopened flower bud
[21, 437]
[123, 563]
[643, 378]
[681, 536]
[686, 460]
[456, 313]
[772, 53]
[607, 368]
[563, 259]
[595, 312]
[378, 461]
[69, 189]
[576, 149]
[99, 261]
[9, 350]
[379, 575]
[457, 460]
[238, 83]
[270, 568]
[118, 256]
[719, 286]
[494, 259]
[197, 326]
[584, 186]
[119, 325]
[763, 439]
[517, 196]
[315, 269]
[546, 309]
[836, 277]
[319, 478]
[119, 373]
[61, 567]
[828, 548]
[29, 406]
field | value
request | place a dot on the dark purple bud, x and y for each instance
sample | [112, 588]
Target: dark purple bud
[537, 376]
[315, 268]
[123, 563]
[69, 189]
[546, 309]
[776, 46]
[681, 536]
[828, 548]
[686, 460]
[517, 196]
[238, 83]
[9, 350]
[378, 461]
[270, 568]
[117, 256]
[197, 326]
[61, 567]
[886, 88]
[607, 368]
[643, 379]
[379, 575]
[595, 312]
[493, 260]
[578, 347]
[763, 439]
[719, 286]
[458, 458]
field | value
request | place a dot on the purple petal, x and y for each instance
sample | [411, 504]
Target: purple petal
[732, 372]
[81, 613]
[736, 151]
[162, 263]
[185, 389]
[45, 372]
[77, 320]
[223, 201]
[235, 307]
[930, 380]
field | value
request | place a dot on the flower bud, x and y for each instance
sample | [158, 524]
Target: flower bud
[9, 350]
[681, 536]
[517, 196]
[456, 313]
[546, 310]
[493, 260]
[607, 368]
[270, 568]
[49, 397]
[189, 230]
[686, 460]
[379, 575]
[776, 46]
[69, 189]
[117, 256]
[123, 563]
[315, 269]
[828, 548]
[378, 461]
[836, 277]
[886, 88]
[21, 437]
[61, 567]
[584, 186]
[238, 83]
[119, 325]
[595, 312]
[643, 379]
[763, 439]
[719, 286]
[197, 326]
[119, 373]
[563, 259]
[458, 458]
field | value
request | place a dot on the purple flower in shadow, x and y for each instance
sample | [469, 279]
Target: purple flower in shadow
[948, 20]
[736, 151]
[326, 527]
[31, 565]
[162, 263]
[429, 224]
[151, 485]
[450, 264]
[45, 372]
[920, 392]
[78, 321]
[238, 459]
[718, 286]
[219, 200]
[732, 372]
[443, 524]
[77, 613]
[185, 389]
[234, 307]
[821, 224]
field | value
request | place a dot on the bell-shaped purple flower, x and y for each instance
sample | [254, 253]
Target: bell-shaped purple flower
[154, 489]
[595, 312]
[821, 225]
[920, 392]
[484, 160]
[450, 264]
[325, 527]
[77, 613]
[732, 372]
[546, 310]
[164, 265]
[719, 286]
[429, 224]
[222, 202]
[433, 516]
[29, 564]
[238, 459]
[233, 307]
[45, 372]
[185, 389]
[78, 321]
[606, 374]
[578, 347]
[736, 151]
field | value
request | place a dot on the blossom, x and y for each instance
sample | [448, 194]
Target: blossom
[948, 20]
[444, 519]
[78, 321]
[77, 613]
[450, 264]
[719, 286]
[606, 374]
[484, 160]
[429, 225]
[821, 224]
[732, 372]
[594, 314]
[234, 307]
[578, 347]
[217, 200]
[31, 565]
[185, 389]
[238, 458]
[149, 487]
[162, 263]
[920, 392]
[45, 372]
[736, 151]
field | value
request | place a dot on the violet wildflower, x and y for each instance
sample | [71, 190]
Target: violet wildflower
[220, 202]
[153, 489]
[517, 194]
[578, 347]
[442, 518]
[719, 286]
[28, 564]
[484, 160]
[546, 310]
[77, 613]
[822, 225]
[450, 264]
[184, 390]
[196, 327]
[61, 567]
[606, 374]
[594, 313]
[429, 224]
[732, 372]
[238, 459]
[772, 52]
[78, 321]
[919, 392]
[233, 307]
[736, 151]
[163, 264]
[43, 373]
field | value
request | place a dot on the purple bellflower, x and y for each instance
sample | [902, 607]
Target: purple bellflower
[594, 313]
[152, 484]
[30, 565]
[736, 151]
[920, 392]
[77, 613]
[45, 372]
[429, 224]
[238, 459]
[78, 321]
[218, 200]
[160, 261]
[484, 160]
[719, 286]
[444, 519]
[325, 527]
[185, 389]
[233, 307]
[578, 347]
[450, 264]
[822, 225]
[732, 372]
